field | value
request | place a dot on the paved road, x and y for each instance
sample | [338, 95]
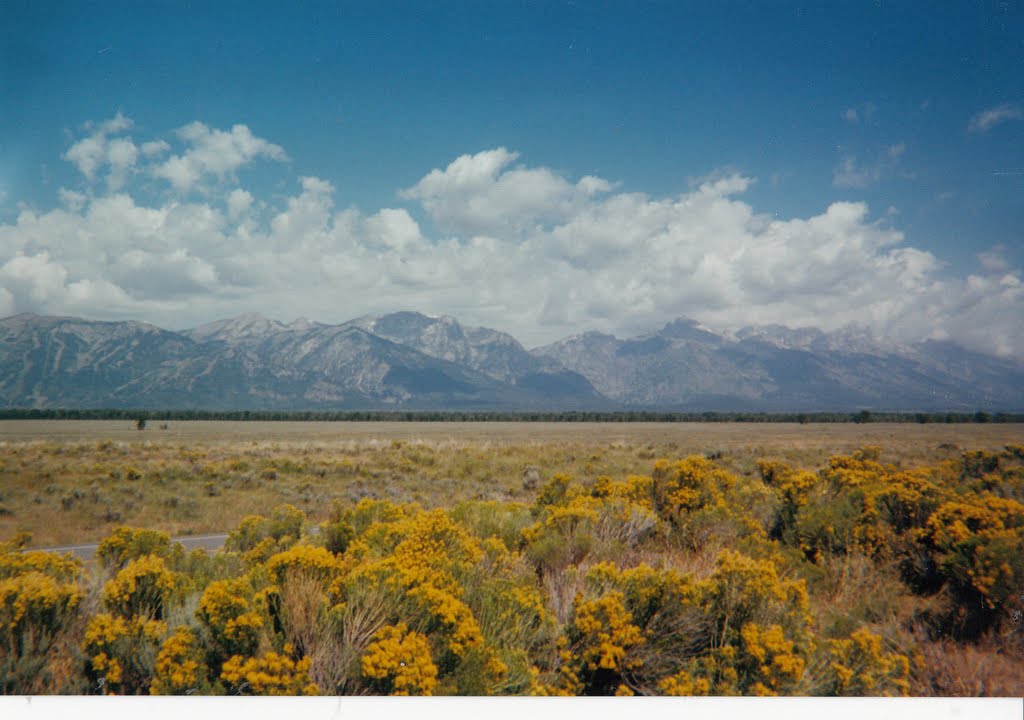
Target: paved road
[191, 542]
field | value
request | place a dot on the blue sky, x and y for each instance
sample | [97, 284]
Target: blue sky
[913, 115]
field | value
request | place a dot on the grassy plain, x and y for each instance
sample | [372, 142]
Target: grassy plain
[565, 558]
[69, 481]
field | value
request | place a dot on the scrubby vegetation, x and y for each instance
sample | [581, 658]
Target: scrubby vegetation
[699, 577]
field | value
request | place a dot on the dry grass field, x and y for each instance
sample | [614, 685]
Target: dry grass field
[69, 481]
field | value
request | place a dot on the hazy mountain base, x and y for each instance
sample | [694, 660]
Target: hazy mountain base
[411, 361]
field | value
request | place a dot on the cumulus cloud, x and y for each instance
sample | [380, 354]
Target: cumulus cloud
[98, 151]
[213, 152]
[522, 248]
[483, 194]
[987, 119]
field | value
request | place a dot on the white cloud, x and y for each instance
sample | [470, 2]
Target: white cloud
[990, 117]
[73, 200]
[482, 194]
[213, 152]
[525, 249]
[155, 147]
[852, 173]
[239, 201]
[993, 260]
[93, 153]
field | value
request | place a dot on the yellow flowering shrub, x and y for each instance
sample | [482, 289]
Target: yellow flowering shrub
[688, 484]
[235, 627]
[714, 673]
[793, 488]
[122, 652]
[144, 587]
[860, 666]
[125, 544]
[369, 511]
[742, 590]
[249, 533]
[646, 591]
[180, 666]
[909, 498]
[338, 531]
[763, 662]
[35, 608]
[769, 663]
[420, 539]
[624, 520]
[316, 563]
[40, 602]
[269, 674]
[666, 607]
[490, 519]
[702, 502]
[257, 538]
[978, 546]
[441, 611]
[554, 492]
[398, 662]
[860, 468]
[635, 488]
[683, 684]
[60, 567]
[414, 569]
[601, 639]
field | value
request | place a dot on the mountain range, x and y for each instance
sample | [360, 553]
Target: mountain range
[407, 360]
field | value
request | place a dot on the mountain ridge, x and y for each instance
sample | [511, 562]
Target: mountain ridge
[409, 360]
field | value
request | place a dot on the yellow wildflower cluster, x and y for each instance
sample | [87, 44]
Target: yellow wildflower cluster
[447, 613]
[40, 602]
[792, 486]
[433, 540]
[859, 666]
[369, 511]
[775, 665]
[712, 674]
[59, 567]
[143, 587]
[312, 562]
[258, 537]
[689, 484]
[858, 469]
[125, 544]
[605, 633]
[399, 661]
[647, 591]
[233, 624]
[979, 546]
[34, 608]
[635, 488]
[743, 589]
[270, 674]
[122, 652]
[683, 684]
[180, 669]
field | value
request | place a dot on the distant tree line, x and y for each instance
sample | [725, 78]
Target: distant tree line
[863, 416]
